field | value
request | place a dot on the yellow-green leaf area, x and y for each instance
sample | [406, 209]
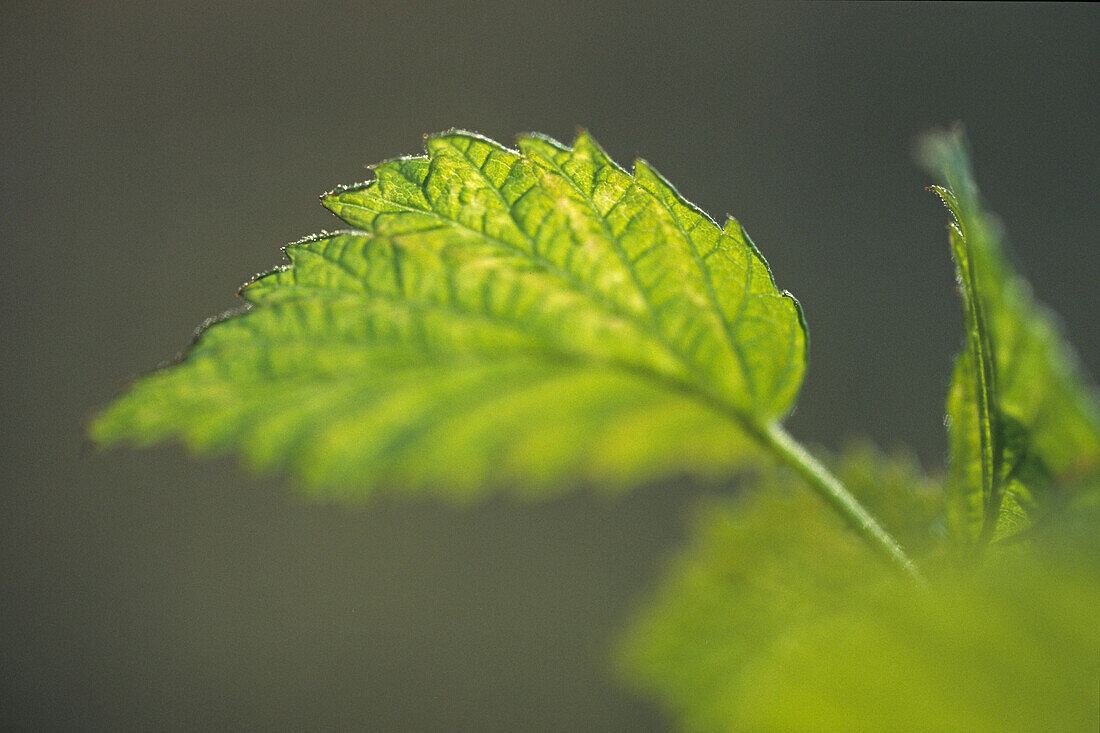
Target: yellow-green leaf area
[534, 319]
[760, 567]
[774, 617]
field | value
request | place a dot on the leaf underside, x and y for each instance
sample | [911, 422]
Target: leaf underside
[534, 319]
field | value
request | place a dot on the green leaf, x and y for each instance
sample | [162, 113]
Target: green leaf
[534, 319]
[1024, 424]
[758, 568]
[774, 617]
[918, 661]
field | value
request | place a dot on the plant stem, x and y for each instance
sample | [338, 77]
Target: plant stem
[792, 453]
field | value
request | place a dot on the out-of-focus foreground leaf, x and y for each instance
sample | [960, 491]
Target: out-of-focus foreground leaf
[535, 318]
[1029, 402]
[1014, 650]
[774, 617]
[758, 566]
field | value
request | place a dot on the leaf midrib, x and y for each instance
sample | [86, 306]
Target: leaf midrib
[562, 357]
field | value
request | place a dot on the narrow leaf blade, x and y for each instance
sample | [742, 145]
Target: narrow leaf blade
[1041, 418]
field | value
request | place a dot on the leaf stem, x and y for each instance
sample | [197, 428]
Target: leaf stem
[829, 487]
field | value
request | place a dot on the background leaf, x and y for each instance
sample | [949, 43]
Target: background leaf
[1046, 418]
[534, 319]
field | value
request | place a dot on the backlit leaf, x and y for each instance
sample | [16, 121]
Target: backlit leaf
[1024, 422]
[533, 319]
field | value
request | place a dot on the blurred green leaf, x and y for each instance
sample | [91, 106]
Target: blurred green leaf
[774, 617]
[532, 319]
[1024, 422]
[757, 569]
[922, 661]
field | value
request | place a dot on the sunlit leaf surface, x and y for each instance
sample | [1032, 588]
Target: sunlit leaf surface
[532, 319]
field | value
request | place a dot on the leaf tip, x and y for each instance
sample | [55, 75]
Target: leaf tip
[586, 143]
[732, 227]
[934, 149]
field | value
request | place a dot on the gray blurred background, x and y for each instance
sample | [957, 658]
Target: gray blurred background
[155, 155]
